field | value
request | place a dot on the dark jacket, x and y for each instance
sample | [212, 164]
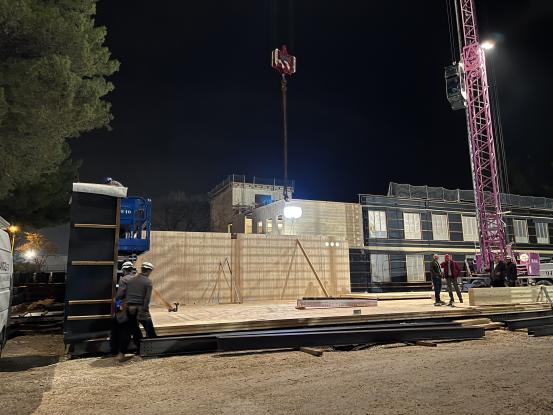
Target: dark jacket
[435, 270]
[497, 272]
[455, 270]
[510, 271]
[137, 291]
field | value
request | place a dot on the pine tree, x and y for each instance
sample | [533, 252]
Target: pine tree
[53, 69]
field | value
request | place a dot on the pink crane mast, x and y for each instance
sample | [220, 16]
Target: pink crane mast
[481, 138]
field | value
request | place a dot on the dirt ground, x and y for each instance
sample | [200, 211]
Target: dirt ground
[507, 373]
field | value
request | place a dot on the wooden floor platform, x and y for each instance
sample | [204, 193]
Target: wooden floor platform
[263, 315]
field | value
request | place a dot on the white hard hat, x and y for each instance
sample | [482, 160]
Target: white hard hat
[127, 264]
[147, 265]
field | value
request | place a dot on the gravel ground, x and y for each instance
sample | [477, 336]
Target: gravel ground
[507, 373]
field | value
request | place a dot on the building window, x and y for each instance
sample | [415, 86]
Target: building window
[259, 228]
[280, 224]
[269, 225]
[542, 232]
[415, 268]
[521, 231]
[377, 224]
[412, 225]
[248, 225]
[380, 268]
[440, 227]
[470, 231]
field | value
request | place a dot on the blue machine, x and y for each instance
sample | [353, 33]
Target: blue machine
[135, 225]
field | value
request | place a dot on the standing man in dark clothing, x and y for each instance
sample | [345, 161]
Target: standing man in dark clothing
[137, 292]
[451, 272]
[510, 272]
[436, 274]
[497, 272]
[115, 336]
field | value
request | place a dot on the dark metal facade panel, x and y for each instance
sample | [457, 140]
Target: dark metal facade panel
[94, 281]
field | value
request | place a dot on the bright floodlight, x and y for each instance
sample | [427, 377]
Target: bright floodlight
[292, 212]
[487, 44]
[29, 254]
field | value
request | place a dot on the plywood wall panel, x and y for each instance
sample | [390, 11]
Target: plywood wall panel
[187, 266]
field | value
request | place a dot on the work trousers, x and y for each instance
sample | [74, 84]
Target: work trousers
[498, 282]
[437, 282]
[131, 327]
[127, 329]
[449, 281]
[148, 327]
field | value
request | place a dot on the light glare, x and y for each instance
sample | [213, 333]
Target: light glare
[29, 254]
[292, 212]
[487, 44]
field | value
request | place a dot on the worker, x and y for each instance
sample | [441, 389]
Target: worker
[497, 272]
[137, 293]
[436, 275]
[111, 182]
[128, 271]
[510, 272]
[451, 272]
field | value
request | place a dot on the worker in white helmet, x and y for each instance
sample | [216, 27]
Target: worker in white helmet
[137, 293]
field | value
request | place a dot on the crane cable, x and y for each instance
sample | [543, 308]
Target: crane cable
[450, 24]
[498, 128]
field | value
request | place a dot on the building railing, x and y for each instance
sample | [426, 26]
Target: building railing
[447, 195]
[240, 178]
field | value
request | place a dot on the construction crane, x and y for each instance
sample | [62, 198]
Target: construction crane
[467, 88]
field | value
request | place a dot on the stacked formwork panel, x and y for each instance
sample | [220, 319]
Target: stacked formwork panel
[211, 268]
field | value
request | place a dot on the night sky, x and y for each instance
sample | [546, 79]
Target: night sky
[196, 99]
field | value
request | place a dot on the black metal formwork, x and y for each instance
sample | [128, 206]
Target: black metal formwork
[92, 266]
[538, 331]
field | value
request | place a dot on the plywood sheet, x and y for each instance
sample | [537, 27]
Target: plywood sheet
[507, 295]
[188, 267]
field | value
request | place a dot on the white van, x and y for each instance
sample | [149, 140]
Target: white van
[6, 268]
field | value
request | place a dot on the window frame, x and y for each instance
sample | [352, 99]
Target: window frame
[520, 239]
[542, 239]
[419, 268]
[382, 231]
[375, 261]
[465, 228]
[416, 226]
[436, 215]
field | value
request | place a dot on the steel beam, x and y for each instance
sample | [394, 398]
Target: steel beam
[345, 337]
[538, 331]
[529, 322]
[163, 346]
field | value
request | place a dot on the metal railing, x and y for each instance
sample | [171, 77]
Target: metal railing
[447, 195]
[240, 178]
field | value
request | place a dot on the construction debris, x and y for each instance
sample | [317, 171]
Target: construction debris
[312, 351]
[334, 303]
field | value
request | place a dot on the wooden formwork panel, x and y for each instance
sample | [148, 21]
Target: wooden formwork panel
[267, 263]
[188, 267]
[508, 295]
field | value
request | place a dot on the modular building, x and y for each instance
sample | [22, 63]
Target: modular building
[392, 237]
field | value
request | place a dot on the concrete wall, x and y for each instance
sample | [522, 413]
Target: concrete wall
[238, 197]
[187, 267]
[340, 220]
